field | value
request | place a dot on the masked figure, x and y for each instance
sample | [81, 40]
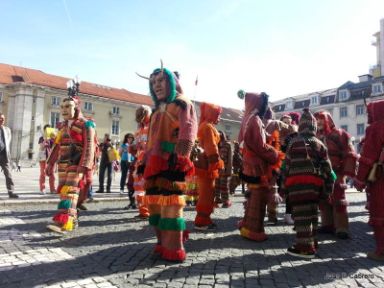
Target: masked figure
[207, 165]
[258, 156]
[172, 133]
[370, 174]
[74, 152]
[334, 215]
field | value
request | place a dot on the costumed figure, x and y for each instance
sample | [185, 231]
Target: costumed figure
[257, 157]
[237, 166]
[143, 114]
[207, 165]
[277, 131]
[172, 133]
[334, 215]
[370, 174]
[74, 151]
[222, 183]
[307, 179]
[45, 145]
[192, 195]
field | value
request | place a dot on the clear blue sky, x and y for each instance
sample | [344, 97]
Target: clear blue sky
[285, 48]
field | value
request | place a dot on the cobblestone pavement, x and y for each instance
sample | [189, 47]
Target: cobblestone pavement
[110, 249]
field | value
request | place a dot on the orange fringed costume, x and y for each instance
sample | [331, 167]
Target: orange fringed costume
[172, 133]
[143, 114]
[208, 164]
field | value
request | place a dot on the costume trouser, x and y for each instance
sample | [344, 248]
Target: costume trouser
[105, 166]
[166, 216]
[306, 222]
[86, 187]
[205, 204]
[252, 225]
[334, 215]
[43, 165]
[234, 182]
[138, 186]
[69, 179]
[222, 189]
[376, 213]
[7, 173]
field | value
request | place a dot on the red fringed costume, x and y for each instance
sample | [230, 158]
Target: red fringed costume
[372, 152]
[334, 215]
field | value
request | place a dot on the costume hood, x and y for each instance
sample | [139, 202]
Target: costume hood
[307, 124]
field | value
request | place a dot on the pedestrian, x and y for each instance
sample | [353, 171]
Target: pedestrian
[126, 159]
[334, 214]
[45, 145]
[370, 175]
[237, 166]
[258, 156]
[74, 150]
[108, 156]
[5, 156]
[172, 132]
[307, 179]
[222, 182]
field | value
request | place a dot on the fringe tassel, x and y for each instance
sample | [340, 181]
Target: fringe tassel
[151, 199]
[173, 255]
[68, 226]
[171, 200]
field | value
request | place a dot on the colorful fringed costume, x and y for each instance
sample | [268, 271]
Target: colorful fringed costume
[372, 154]
[307, 180]
[143, 114]
[334, 215]
[237, 167]
[208, 164]
[222, 182]
[74, 152]
[172, 133]
[257, 157]
[46, 143]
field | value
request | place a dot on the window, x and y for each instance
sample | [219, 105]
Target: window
[116, 110]
[115, 127]
[55, 101]
[344, 127]
[360, 129]
[377, 88]
[343, 112]
[1, 96]
[343, 95]
[359, 109]
[314, 100]
[88, 106]
[55, 118]
[289, 105]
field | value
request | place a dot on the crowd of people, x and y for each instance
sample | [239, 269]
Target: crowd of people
[175, 159]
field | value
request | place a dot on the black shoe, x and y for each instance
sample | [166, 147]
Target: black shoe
[342, 235]
[13, 195]
[99, 191]
[296, 252]
[82, 207]
[108, 191]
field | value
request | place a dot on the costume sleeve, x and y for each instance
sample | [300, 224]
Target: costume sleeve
[187, 130]
[211, 150]
[326, 169]
[87, 159]
[370, 151]
[257, 143]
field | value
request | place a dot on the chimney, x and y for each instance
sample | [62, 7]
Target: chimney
[365, 78]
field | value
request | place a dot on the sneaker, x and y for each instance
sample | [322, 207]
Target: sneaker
[288, 219]
[121, 192]
[296, 252]
[342, 235]
[99, 191]
[42, 192]
[90, 199]
[201, 228]
[13, 195]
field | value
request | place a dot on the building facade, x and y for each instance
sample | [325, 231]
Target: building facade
[378, 69]
[30, 99]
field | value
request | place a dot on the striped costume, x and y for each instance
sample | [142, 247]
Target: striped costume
[74, 147]
[307, 179]
[222, 183]
[172, 132]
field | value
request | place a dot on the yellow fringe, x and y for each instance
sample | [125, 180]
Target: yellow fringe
[69, 225]
[151, 199]
[58, 137]
[171, 200]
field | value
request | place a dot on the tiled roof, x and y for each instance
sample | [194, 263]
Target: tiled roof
[13, 74]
